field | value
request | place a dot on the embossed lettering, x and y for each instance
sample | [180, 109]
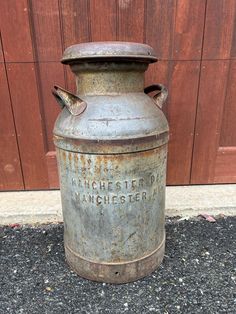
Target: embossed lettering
[118, 185]
[133, 184]
[94, 185]
[102, 186]
[114, 199]
[99, 200]
[139, 189]
[152, 179]
[122, 199]
[106, 199]
[141, 181]
[130, 198]
[91, 198]
[144, 196]
[137, 197]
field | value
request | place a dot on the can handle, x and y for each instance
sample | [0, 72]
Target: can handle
[161, 95]
[73, 103]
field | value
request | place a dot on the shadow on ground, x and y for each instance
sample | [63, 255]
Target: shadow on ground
[198, 274]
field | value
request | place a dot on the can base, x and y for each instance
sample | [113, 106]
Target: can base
[115, 272]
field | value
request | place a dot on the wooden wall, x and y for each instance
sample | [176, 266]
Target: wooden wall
[195, 41]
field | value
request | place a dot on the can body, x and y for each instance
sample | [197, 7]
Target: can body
[113, 213]
[112, 165]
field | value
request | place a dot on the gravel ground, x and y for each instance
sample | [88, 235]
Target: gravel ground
[198, 274]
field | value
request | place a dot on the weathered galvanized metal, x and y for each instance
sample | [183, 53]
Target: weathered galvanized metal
[111, 143]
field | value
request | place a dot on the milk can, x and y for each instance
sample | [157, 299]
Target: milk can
[111, 142]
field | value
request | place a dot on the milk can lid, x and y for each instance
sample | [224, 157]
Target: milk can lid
[109, 50]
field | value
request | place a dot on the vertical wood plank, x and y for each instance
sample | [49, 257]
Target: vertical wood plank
[46, 29]
[25, 102]
[228, 133]
[103, 20]
[75, 21]
[51, 73]
[188, 31]
[130, 20]
[181, 79]
[15, 30]
[219, 29]
[10, 169]
[160, 16]
[175, 28]
[181, 111]
[210, 107]
[159, 73]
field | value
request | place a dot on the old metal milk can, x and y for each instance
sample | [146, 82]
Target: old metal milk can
[111, 141]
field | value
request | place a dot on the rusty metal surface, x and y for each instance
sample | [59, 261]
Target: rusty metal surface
[116, 272]
[124, 118]
[114, 207]
[161, 93]
[73, 103]
[109, 50]
[112, 162]
[112, 146]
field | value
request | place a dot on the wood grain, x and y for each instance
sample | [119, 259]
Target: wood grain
[228, 132]
[103, 20]
[212, 91]
[53, 177]
[10, 169]
[15, 30]
[219, 37]
[175, 28]
[34, 35]
[46, 30]
[188, 31]
[28, 121]
[159, 26]
[158, 73]
[181, 79]
[130, 20]
[50, 74]
[225, 165]
[74, 21]
[181, 111]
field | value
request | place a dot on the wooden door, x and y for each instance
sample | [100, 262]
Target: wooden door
[10, 168]
[32, 49]
[214, 155]
[196, 45]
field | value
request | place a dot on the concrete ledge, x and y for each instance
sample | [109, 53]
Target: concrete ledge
[40, 207]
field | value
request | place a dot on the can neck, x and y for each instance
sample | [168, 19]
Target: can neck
[109, 78]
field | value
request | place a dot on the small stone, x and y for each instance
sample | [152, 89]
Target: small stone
[126, 304]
